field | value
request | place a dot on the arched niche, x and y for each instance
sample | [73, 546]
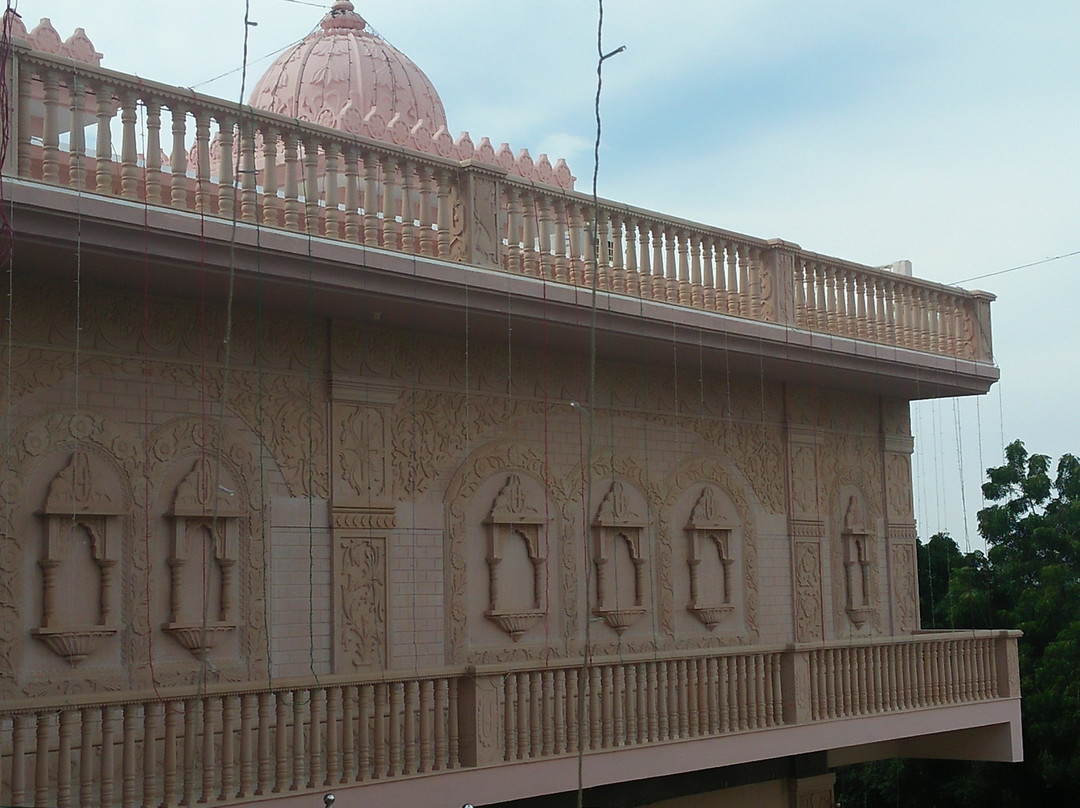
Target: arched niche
[83, 502]
[206, 517]
[711, 534]
[515, 523]
[618, 530]
[856, 545]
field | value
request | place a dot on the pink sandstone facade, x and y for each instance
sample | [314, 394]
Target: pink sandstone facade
[310, 483]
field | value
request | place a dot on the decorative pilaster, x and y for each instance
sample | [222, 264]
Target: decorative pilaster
[807, 529]
[900, 533]
[363, 513]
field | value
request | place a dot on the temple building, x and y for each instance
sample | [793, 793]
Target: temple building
[344, 455]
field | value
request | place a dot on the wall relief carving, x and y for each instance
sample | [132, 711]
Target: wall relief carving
[617, 532]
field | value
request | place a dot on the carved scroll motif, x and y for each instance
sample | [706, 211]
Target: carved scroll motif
[362, 590]
[807, 591]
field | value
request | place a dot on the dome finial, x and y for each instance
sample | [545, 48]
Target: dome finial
[342, 15]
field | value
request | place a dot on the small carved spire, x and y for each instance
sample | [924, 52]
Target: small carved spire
[342, 16]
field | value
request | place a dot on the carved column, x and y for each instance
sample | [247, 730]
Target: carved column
[807, 530]
[362, 514]
[900, 533]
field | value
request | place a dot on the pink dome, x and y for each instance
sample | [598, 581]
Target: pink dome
[341, 74]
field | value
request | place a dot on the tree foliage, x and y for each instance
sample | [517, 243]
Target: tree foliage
[1029, 579]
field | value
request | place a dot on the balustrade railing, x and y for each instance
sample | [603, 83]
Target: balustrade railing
[258, 168]
[229, 743]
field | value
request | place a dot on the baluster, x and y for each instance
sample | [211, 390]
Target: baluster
[177, 160]
[633, 275]
[63, 758]
[408, 229]
[270, 202]
[310, 149]
[262, 781]
[442, 198]
[637, 724]
[652, 708]
[618, 272]
[645, 280]
[663, 702]
[441, 707]
[152, 714]
[41, 760]
[104, 173]
[152, 172]
[127, 756]
[848, 307]
[529, 263]
[536, 700]
[603, 252]
[291, 150]
[734, 291]
[628, 700]
[864, 293]
[704, 691]
[203, 188]
[390, 230]
[547, 215]
[578, 250]
[281, 742]
[382, 705]
[332, 217]
[454, 750]
[409, 718]
[171, 711]
[249, 209]
[367, 698]
[300, 699]
[23, 144]
[510, 740]
[249, 705]
[226, 192]
[228, 748]
[712, 696]
[694, 249]
[558, 713]
[830, 300]
[333, 711]
[659, 281]
[760, 690]
[76, 136]
[397, 708]
[315, 746]
[562, 224]
[523, 728]
[683, 248]
[708, 275]
[879, 325]
[682, 686]
[210, 710]
[607, 707]
[671, 267]
[573, 702]
[50, 132]
[352, 194]
[596, 710]
[877, 663]
[590, 275]
[89, 718]
[371, 199]
[348, 734]
[427, 706]
[426, 244]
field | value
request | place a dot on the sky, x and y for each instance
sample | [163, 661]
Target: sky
[945, 133]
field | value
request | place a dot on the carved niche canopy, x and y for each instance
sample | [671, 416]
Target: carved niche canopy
[84, 495]
[206, 508]
[710, 532]
[618, 527]
[514, 518]
[855, 539]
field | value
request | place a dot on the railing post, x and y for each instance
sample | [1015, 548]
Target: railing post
[981, 345]
[479, 720]
[795, 686]
[1007, 660]
[778, 282]
[483, 218]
